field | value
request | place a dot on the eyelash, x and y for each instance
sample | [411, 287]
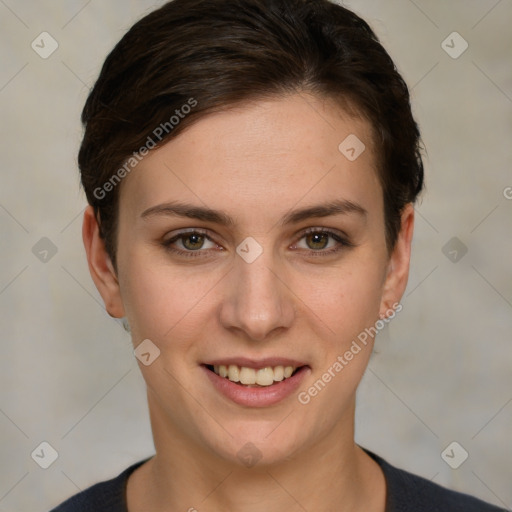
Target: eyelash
[343, 243]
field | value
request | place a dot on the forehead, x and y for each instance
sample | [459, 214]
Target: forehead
[268, 154]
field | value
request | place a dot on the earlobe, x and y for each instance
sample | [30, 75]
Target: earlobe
[100, 266]
[398, 265]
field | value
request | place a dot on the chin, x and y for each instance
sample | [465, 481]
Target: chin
[258, 444]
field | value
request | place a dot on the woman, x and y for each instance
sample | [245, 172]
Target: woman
[251, 169]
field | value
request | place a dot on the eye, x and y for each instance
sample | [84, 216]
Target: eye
[315, 241]
[322, 241]
[191, 243]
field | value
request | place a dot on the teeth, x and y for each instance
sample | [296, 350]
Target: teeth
[249, 376]
[278, 373]
[265, 376]
[233, 372]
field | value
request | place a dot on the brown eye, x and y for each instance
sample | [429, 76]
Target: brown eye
[193, 241]
[317, 241]
[322, 242]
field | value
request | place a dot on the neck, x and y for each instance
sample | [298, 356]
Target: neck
[332, 474]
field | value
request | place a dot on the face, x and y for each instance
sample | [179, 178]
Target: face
[251, 242]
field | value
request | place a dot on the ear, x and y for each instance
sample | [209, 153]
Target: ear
[100, 266]
[398, 266]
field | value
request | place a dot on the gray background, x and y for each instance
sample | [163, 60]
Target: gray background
[442, 371]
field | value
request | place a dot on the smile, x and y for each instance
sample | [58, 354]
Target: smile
[256, 383]
[253, 376]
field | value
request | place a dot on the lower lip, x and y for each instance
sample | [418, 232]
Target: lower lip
[259, 396]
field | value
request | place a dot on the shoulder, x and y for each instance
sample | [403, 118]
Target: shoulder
[108, 495]
[408, 493]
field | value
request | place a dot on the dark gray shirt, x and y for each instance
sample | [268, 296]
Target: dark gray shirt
[405, 493]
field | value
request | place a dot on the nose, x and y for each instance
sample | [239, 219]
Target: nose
[257, 303]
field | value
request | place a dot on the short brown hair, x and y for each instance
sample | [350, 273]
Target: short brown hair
[217, 53]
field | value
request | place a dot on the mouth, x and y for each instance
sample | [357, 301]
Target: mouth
[256, 383]
[254, 377]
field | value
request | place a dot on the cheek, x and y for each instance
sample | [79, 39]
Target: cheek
[169, 302]
[164, 302]
[349, 305]
[347, 299]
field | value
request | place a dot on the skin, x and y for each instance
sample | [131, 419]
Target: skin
[256, 163]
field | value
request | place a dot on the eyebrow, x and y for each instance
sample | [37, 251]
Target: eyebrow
[178, 209]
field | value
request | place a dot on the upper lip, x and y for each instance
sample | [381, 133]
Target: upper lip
[255, 363]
